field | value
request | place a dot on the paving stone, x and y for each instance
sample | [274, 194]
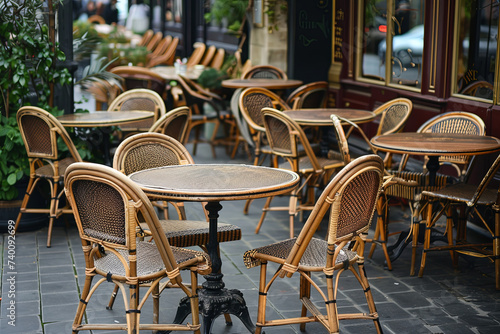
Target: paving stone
[409, 300]
[24, 325]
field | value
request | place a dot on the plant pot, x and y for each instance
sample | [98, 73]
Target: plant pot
[29, 221]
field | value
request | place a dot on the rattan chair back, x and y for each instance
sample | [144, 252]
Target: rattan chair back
[146, 38]
[311, 95]
[160, 48]
[139, 99]
[342, 142]
[197, 54]
[394, 115]
[218, 59]
[208, 56]
[106, 206]
[167, 57]
[40, 131]
[174, 123]
[141, 77]
[264, 72]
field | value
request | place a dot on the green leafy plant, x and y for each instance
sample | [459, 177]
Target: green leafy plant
[28, 75]
[232, 10]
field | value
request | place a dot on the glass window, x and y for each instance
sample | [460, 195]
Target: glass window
[477, 47]
[403, 33]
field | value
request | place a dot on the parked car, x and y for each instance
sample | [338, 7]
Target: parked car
[407, 47]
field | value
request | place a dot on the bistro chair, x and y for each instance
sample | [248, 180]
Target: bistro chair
[208, 56]
[167, 57]
[160, 48]
[218, 59]
[141, 77]
[104, 92]
[196, 55]
[174, 123]
[287, 139]
[410, 184]
[40, 131]
[138, 99]
[113, 251]
[146, 38]
[251, 102]
[207, 108]
[264, 72]
[350, 199]
[153, 42]
[311, 95]
[469, 198]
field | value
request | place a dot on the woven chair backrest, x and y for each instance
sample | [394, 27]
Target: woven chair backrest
[149, 150]
[139, 99]
[487, 179]
[146, 37]
[395, 113]
[311, 95]
[140, 77]
[264, 72]
[174, 124]
[350, 198]
[251, 102]
[40, 130]
[218, 59]
[196, 55]
[153, 42]
[106, 204]
[286, 138]
[208, 56]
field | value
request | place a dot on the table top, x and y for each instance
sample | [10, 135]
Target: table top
[436, 144]
[103, 118]
[321, 116]
[214, 182]
[261, 82]
[170, 73]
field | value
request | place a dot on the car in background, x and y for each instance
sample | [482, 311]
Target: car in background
[407, 48]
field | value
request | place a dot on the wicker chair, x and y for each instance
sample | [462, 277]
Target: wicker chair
[174, 123]
[469, 198]
[146, 38]
[138, 99]
[311, 95]
[218, 59]
[251, 102]
[208, 56]
[153, 42]
[196, 55]
[411, 183]
[97, 19]
[350, 198]
[160, 48]
[264, 71]
[112, 250]
[140, 77]
[40, 131]
[287, 139]
[167, 57]
[196, 98]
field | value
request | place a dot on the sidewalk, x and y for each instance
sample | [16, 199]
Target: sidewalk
[48, 281]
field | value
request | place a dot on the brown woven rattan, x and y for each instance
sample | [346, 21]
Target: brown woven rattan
[311, 95]
[469, 198]
[264, 71]
[106, 206]
[40, 131]
[146, 38]
[410, 183]
[139, 99]
[350, 198]
[174, 123]
[141, 77]
[218, 59]
[160, 48]
[287, 139]
[197, 98]
[153, 42]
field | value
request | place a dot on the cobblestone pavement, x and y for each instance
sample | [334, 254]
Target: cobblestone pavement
[446, 300]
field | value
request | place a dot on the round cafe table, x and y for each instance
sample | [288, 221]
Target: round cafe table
[213, 183]
[321, 116]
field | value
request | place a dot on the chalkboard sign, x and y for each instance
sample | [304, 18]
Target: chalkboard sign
[309, 39]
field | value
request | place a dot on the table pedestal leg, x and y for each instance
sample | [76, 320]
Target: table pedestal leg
[214, 298]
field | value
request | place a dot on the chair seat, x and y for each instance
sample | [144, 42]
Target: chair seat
[463, 193]
[47, 171]
[314, 258]
[186, 233]
[149, 260]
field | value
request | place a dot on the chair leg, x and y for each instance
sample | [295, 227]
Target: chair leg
[427, 239]
[414, 242]
[31, 185]
[496, 246]
[380, 235]
[133, 312]
[261, 308]
[292, 211]
[264, 211]
[305, 291]
[113, 298]
[194, 301]
[363, 280]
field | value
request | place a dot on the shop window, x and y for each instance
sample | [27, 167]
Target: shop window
[395, 25]
[476, 48]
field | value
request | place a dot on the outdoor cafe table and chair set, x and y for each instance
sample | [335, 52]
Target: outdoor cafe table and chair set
[352, 194]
